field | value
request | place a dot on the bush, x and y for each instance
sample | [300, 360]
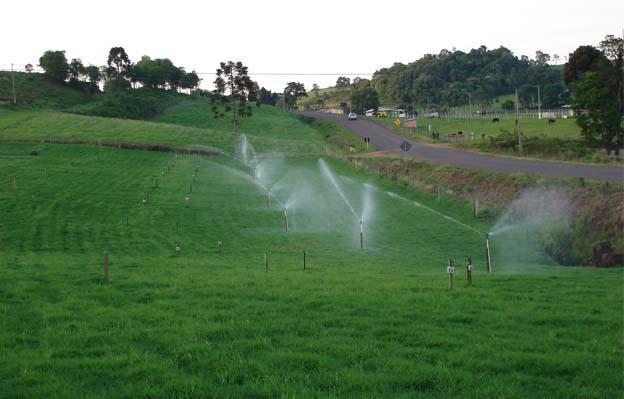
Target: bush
[141, 103]
[540, 145]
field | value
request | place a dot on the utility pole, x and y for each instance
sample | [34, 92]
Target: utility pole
[539, 104]
[518, 123]
[13, 84]
[470, 110]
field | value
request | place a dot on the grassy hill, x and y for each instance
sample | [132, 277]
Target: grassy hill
[37, 90]
[198, 322]
[373, 323]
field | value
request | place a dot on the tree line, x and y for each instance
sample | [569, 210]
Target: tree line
[119, 73]
[439, 81]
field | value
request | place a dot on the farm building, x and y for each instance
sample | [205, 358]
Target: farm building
[332, 110]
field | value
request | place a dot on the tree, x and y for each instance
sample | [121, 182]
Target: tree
[541, 58]
[315, 89]
[119, 60]
[343, 82]
[190, 80]
[552, 95]
[28, 68]
[583, 59]
[95, 76]
[596, 80]
[293, 92]
[595, 103]
[508, 105]
[55, 65]
[613, 49]
[76, 71]
[364, 98]
[267, 97]
[233, 91]
[119, 69]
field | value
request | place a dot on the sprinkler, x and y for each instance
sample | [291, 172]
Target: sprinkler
[361, 234]
[488, 259]
[269, 200]
[285, 219]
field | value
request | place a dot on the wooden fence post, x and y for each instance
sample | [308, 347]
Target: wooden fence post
[105, 267]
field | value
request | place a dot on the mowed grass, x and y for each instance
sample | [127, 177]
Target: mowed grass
[373, 323]
[285, 133]
[562, 128]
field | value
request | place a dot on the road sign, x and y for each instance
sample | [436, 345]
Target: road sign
[405, 146]
[397, 122]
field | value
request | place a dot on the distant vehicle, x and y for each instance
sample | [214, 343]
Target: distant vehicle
[352, 116]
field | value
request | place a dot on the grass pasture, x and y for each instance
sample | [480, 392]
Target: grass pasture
[562, 128]
[373, 323]
[38, 125]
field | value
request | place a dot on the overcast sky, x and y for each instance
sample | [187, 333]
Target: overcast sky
[318, 36]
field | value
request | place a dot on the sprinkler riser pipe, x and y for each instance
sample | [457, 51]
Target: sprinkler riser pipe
[488, 258]
[361, 235]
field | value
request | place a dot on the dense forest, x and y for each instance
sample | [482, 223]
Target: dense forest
[438, 81]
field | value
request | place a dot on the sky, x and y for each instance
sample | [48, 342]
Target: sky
[323, 38]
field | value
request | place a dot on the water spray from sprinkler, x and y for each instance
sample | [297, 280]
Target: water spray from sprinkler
[269, 198]
[285, 219]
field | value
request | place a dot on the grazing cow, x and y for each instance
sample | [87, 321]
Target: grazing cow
[494, 120]
[551, 121]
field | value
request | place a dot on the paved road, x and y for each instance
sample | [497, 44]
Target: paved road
[386, 140]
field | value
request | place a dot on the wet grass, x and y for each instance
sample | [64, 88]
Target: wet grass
[373, 323]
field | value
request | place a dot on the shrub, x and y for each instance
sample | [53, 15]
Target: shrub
[141, 103]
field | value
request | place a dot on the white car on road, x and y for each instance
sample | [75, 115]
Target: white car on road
[352, 116]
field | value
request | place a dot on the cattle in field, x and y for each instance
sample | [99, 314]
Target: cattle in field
[494, 120]
[551, 121]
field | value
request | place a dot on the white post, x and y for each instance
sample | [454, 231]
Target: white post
[539, 104]
[13, 84]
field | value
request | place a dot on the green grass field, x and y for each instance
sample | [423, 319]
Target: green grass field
[37, 90]
[37, 125]
[374, 323]
[562, 128]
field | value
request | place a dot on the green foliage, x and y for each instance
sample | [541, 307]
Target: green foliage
[508, 105]
[55, 65]
[438, 80]
[343, 82]
[598, 100]
[160, 73]
[292, 92]
[267, 97]
[38, 90]
[583, 59]
[234, 91]
[541, 145]
[363, 98]
[141, 103]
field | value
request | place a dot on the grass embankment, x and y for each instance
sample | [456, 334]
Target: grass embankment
[36, 90]
[560, 141]
[595, 213]
[287, 134]
[373, 323]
